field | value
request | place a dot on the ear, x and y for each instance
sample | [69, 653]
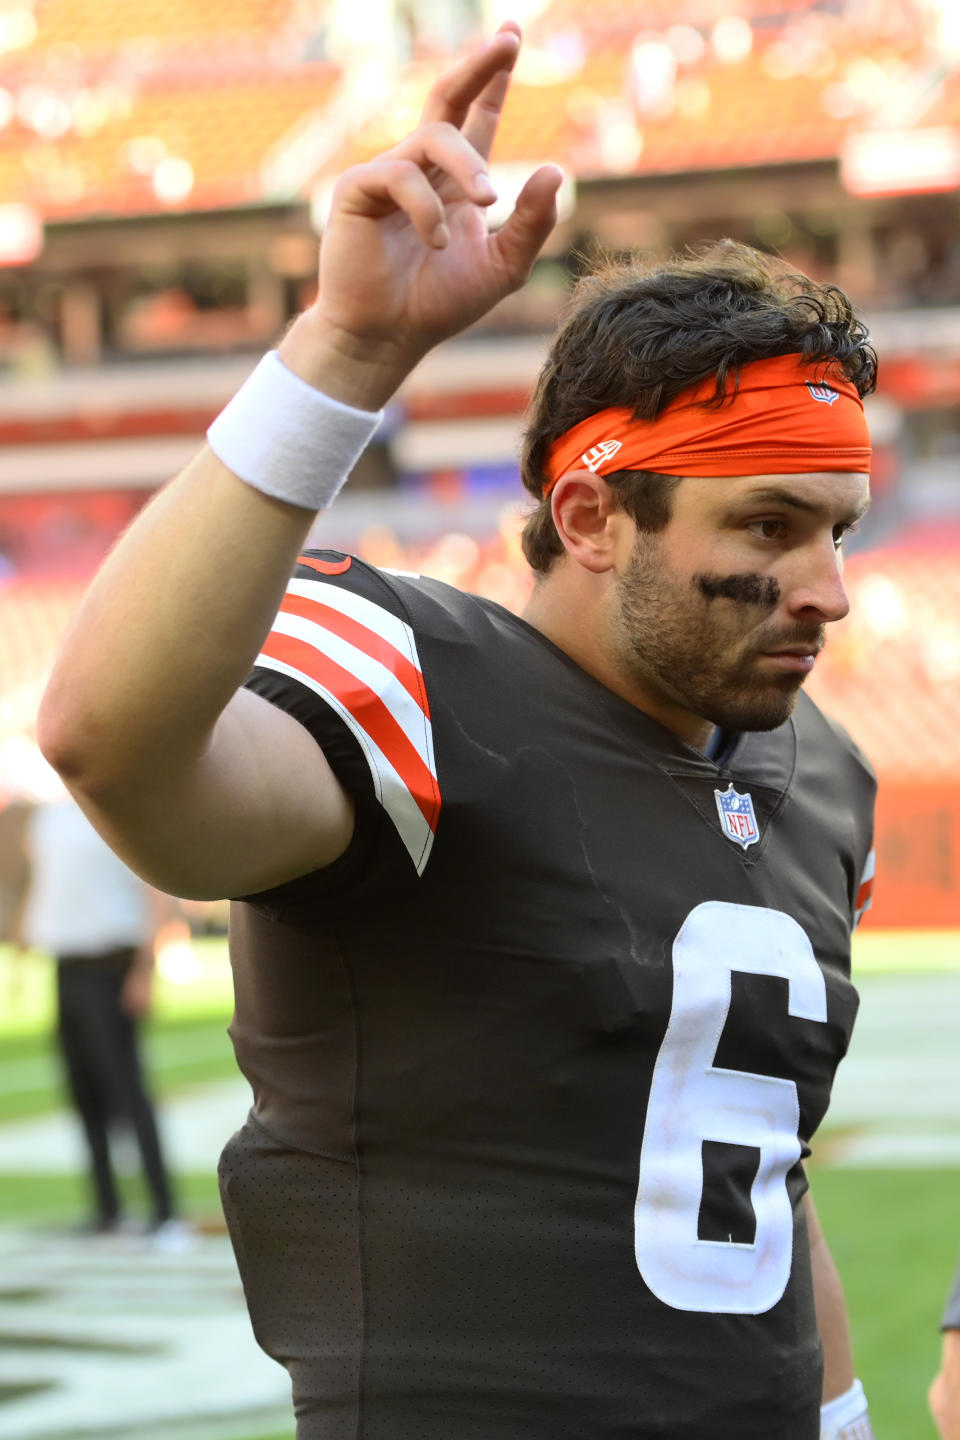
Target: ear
[588, 520]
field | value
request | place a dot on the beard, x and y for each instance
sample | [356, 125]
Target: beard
[699, 651]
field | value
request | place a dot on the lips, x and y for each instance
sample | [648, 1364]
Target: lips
[806, 646]
[801, 661]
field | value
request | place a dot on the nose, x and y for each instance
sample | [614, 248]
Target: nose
[818, 591]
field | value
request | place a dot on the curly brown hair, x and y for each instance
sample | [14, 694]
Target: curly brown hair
[638, 333]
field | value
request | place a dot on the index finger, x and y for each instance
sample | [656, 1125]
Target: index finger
[470, 95]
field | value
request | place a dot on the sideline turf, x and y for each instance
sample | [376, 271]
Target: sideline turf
[59, 1200]
[180, 1051]
[894, 1235]
[905, 951]
[201, 988]
[185, 1039]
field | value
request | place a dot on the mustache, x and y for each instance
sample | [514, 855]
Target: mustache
[796, 635]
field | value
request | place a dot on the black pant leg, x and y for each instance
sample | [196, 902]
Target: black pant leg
[134, 1102]
[78, 1001]
[112, 1038]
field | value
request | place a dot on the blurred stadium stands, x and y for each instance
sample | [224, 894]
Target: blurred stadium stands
[164, 172]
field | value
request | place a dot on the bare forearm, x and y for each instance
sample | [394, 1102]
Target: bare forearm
[831, 1312]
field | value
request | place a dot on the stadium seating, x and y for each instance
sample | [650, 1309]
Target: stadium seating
[101, 82]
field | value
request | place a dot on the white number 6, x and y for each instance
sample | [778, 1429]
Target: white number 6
[692, 1100]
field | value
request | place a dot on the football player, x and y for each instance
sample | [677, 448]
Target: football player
[542, 938]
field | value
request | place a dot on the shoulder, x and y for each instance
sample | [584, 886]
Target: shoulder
[340, 615]
[820, 735]
[840, 784]
[425, 604]
[349, 612]
[373, 663]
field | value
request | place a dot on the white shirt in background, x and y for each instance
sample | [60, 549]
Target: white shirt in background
[83, 900]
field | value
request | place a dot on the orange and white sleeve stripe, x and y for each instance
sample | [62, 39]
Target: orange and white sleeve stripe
[865, 889]
[363, 661]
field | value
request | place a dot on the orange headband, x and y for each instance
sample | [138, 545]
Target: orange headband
[779, 419]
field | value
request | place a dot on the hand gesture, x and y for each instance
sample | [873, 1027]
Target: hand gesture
[406, 259]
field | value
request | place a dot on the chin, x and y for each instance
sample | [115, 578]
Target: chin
[756, 712]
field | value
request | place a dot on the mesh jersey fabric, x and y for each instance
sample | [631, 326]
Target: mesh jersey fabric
[540, 965]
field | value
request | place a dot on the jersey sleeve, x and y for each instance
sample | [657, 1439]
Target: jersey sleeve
[864, 898]
[857, 779]
[342, 659]
[865, 873]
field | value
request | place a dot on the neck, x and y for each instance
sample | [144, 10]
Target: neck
[571, 607]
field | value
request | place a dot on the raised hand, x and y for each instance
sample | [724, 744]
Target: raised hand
[406, 259]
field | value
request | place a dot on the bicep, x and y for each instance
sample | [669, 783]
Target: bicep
[261, 806]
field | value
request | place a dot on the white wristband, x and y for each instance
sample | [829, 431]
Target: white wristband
[846, 1418]
[283, 437]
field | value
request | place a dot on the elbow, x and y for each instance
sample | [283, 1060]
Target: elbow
[64, 740]
[54, 739]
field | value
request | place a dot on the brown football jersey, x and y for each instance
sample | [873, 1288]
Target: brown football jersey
[536, 1063]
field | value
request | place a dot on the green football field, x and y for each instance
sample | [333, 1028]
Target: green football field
[894, 1232]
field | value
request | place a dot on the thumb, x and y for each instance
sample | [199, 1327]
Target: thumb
[518, 243]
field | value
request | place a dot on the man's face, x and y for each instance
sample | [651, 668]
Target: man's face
[720, 616]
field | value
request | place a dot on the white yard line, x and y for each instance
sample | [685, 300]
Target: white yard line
[37, 1072]
[896, 1098]
[194, 1128]
[128, 1341]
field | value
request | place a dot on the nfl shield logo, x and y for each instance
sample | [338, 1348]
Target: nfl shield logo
[824, 393]
[737, 819]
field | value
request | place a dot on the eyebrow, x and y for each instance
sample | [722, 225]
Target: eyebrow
[777, 496]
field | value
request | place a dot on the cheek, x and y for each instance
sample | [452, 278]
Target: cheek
[751, 589]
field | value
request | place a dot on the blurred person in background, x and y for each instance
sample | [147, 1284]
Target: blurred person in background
[13, 866]
[542, 944]
[100, 922]
[945, 1390]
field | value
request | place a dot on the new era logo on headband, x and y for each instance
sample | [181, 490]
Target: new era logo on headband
[770, 425]
[595, 457]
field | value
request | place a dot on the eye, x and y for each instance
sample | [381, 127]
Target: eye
[841, 531]
[768, 529]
